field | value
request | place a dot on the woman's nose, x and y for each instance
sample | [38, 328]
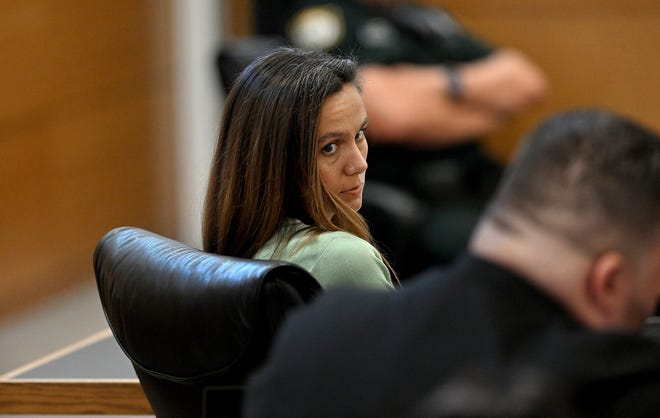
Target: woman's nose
[357, 162]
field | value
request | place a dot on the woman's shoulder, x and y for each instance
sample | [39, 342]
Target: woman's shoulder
[302, 237]
[345, 242]
[344, 259]
[332, 257]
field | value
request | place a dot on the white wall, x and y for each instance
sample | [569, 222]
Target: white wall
[197, 30]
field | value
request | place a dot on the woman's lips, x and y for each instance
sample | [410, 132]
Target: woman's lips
[355, 191]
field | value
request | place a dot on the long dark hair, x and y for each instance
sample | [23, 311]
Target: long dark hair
[264, 170]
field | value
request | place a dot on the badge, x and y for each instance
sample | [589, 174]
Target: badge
[319, 27]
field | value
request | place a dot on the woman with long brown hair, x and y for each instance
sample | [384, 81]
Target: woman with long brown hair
[288, 171]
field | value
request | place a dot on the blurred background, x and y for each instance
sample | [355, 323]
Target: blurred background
[109, 111]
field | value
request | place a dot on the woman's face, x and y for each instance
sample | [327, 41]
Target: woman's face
[342, 145]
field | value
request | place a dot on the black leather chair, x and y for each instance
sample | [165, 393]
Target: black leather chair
[193, 324]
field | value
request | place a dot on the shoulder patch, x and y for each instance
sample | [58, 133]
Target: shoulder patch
[318, 27]
[377, 33]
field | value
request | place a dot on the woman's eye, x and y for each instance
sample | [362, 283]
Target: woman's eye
[360, 135]
[329, 149]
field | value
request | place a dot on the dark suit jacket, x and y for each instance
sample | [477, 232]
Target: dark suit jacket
[363, 354]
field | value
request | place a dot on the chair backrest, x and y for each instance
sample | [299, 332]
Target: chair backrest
[652, 327]
[192, 323]
[236, 54]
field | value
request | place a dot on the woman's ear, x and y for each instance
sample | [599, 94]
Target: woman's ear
[609, 287]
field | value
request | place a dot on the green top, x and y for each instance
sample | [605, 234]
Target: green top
[334, 258]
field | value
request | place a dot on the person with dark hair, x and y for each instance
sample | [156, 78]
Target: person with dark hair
[560, 277]
[289, 169]
[433, 91]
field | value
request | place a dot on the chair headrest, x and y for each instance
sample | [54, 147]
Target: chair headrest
[236, 54]
[183, 314]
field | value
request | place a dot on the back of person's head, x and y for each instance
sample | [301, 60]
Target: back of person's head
[265, 164]
[589, 177]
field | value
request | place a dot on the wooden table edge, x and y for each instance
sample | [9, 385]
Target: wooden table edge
[73, 396]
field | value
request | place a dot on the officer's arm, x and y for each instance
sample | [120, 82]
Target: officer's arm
[414, 102]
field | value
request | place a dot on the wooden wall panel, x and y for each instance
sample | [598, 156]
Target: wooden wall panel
[84, 136]
[239, 18]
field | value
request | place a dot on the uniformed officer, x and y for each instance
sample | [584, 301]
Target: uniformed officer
[430, 88]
